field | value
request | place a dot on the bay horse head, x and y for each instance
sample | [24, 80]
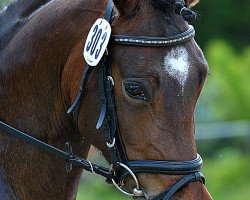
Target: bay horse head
[142, 94]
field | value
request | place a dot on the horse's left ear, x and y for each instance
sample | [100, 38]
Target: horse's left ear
[126, 8]
[191, 3]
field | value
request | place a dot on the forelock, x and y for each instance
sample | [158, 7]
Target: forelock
[165, 3]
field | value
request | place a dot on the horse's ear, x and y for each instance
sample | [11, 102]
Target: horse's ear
[126, 8]
[191, 3]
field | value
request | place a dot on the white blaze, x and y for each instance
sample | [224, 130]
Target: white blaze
[176, 64]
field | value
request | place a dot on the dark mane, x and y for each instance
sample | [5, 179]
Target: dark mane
[15, 16]
[180, 7]
[163, 5]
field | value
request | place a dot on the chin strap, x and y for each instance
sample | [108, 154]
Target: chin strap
[168, 194]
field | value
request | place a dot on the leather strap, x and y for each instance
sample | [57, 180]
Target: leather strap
[166, 167]
[75, 107]
[109, 10]
[168, 194]
[68, 156]
[162, 167]
[146, 41]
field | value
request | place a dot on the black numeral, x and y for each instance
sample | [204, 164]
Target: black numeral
[97, 38]
[104, 37]
[92, 39]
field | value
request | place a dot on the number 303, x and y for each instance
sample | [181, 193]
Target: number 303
[92, 45]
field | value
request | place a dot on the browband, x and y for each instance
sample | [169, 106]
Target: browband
[154, 41]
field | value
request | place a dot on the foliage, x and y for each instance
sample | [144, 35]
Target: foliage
[3, 3]
[223, 19]
[226, 93]
[228, 175]
[93, 188]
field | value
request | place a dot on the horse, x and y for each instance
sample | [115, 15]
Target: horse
[135, 104]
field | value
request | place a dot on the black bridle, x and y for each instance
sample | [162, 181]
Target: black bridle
[121, 167]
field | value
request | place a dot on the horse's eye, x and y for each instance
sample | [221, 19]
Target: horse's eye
[135, 90]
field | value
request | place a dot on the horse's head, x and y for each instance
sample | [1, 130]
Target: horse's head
[146, 88]
[156, 89]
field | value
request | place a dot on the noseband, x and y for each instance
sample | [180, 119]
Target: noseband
[121, 167]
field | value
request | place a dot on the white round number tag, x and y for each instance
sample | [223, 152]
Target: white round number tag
[97, 41]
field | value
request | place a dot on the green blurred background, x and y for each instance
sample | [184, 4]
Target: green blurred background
[223, 110]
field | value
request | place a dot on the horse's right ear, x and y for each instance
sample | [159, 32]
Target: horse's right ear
[126, 8]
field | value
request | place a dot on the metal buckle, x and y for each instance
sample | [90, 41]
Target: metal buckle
[91, 167]
[110, 78]
[137, 192]
[69, 151]
[183, 9]
[111, 145]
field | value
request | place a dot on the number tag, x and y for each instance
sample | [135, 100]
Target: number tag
[97, 41]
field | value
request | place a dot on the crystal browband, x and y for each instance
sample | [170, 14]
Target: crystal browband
[154, 41]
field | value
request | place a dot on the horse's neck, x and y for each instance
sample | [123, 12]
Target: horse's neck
[33, 64]
[6, 192]
[15, 16]
[33, 174]
[32, 99]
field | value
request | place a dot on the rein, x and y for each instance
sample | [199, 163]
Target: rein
[120, 167]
